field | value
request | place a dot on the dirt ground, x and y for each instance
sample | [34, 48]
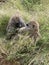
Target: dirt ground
[4, 61]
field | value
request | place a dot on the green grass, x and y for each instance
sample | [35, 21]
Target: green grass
[21, 49]
[3, 24]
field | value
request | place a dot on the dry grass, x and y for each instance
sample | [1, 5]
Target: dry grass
[23, 51]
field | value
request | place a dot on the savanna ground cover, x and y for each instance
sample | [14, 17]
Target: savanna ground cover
[23, 51]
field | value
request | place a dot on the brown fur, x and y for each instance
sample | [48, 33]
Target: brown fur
[14, 24]
[34, 29]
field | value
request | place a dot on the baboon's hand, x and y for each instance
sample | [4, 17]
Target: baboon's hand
[23, 29]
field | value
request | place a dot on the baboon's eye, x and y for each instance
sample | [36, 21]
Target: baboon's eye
[33, 26]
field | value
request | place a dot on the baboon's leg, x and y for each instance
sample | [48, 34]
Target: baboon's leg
[36, 37]
[9, 36]
[15, 39]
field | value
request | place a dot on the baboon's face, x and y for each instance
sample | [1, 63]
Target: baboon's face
[34, 26]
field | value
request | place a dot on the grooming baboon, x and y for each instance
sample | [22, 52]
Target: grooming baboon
[14, 24]
[33, 28]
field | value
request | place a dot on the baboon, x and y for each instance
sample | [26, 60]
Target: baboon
[33, 28]
[14, 24]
